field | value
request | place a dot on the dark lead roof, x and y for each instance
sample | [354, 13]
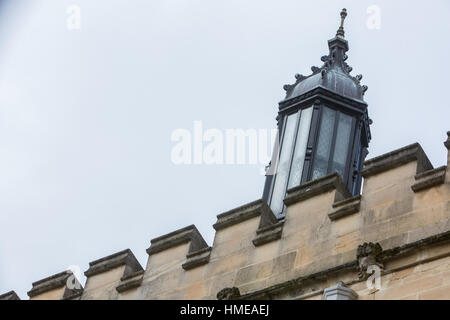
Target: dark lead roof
[334, 74]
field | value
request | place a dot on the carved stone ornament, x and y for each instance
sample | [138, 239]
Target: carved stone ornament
[228, 294]
[368, 254]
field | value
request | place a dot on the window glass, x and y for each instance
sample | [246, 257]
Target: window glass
[300, 148]
[342, 142]
[324, 143]
[279, 189]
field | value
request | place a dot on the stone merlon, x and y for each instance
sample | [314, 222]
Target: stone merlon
[125, 257]
[393, 159]
[11, 295]
[64, 281]
[198, 252]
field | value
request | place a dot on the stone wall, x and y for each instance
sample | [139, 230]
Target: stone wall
[401, 223]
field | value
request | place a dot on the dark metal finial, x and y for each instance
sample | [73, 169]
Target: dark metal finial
[340, 32]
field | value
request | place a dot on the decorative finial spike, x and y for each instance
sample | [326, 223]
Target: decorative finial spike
[340, 32]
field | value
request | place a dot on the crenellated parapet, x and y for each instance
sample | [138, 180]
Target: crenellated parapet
[324, 247]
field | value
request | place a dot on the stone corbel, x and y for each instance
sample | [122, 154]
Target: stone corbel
[229, 294]
[368, 254]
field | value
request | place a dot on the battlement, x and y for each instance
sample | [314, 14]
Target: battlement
[403, 212]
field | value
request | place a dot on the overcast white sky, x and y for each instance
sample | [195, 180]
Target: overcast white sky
[86, 115]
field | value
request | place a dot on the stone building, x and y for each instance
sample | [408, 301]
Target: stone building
[314, 234]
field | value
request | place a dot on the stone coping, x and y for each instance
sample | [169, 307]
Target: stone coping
[197, 258]
[132, 275]
[124, 257]
[180, 236]
[429, 179]
[72, 295]
[316, 187]
[55, 281]
[130, 281]
[11, 295]
[131, 284]
[345, 207]
[268, 233]
[396, 158]
[245, 212]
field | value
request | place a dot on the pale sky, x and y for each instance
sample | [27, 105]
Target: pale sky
[86, 115]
